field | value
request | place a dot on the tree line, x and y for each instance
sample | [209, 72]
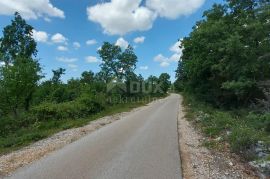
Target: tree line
[224, 74]
[27, 101]
[226, 57]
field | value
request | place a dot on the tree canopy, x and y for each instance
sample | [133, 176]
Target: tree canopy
[227, 53]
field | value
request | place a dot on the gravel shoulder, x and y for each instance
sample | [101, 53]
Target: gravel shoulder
[27, 155]
[200, 163]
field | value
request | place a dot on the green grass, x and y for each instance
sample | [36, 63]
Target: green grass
[240, 128]
[40, 130]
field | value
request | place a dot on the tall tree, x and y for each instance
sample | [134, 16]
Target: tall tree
[226, 53]
[17, 41]
[109, 54]
[87, 77]
[21, 73]
[57, 74]
[164, 82]
[117, 64]
[127, 62]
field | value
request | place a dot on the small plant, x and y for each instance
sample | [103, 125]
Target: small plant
[243, 138]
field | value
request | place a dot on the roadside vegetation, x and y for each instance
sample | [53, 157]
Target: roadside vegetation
[224, 76]
[34, 106]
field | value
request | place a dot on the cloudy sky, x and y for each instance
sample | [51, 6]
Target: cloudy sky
[69, 32]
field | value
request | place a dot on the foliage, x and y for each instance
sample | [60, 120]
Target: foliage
[80, 108]
[241, 129]
[17, 84]
[116, 63]
[17, 41]
[243, 138]
[225, 57]
[31, 109]
[88, 77]
[164, 81]
[57, 75]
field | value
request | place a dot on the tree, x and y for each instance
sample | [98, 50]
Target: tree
[222, 57]
[127, 62]
[21, 73]
[56, 79]
[152, 84]
[17, 41]
[109, 54]
[164, 82]
[87, 77]
[117, 64]
[18, 83]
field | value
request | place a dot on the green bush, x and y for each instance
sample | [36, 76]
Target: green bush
[7, 125]
[259, 121]
[243, 138]
[217, 123]
[81, 107]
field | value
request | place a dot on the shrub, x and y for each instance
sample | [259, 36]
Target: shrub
[216, 123]
[259, 121]
[7, 124]
[81, 107]
[243, 138]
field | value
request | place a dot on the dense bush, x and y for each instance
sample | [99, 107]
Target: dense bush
[79, 108]
[243, 138]
[259, 121]
[227, 53]
[241, 129]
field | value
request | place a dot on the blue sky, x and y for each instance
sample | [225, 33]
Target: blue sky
[63, 27]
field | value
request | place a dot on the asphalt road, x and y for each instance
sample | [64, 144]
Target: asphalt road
[143, 145]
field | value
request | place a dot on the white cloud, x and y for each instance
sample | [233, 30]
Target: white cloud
[91, 42]
[59, 38]
[176, 47]
[66, 60]
[30, 9]
[76, 45]
[139, 40]
[172, 9]
[160, 58]
[121, 42]
[72, 66]
[40, 36]
[119, 17]
[175, 57]
[91, 59]
[166, 61]
[47, 19]
[62, 48]
[2, 64]
[144, 68]
[164, 64]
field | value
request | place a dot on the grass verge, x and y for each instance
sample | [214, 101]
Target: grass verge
[239, 129]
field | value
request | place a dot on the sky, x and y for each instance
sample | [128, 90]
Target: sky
[70, 32]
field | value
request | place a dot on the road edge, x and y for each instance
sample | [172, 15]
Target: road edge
[199, 162]
[10, 162]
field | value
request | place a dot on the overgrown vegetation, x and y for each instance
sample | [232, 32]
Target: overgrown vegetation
[31, 110]
[224, 75]
[242, 129]
[227, 53]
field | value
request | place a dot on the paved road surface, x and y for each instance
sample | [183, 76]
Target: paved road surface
[143, 145]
